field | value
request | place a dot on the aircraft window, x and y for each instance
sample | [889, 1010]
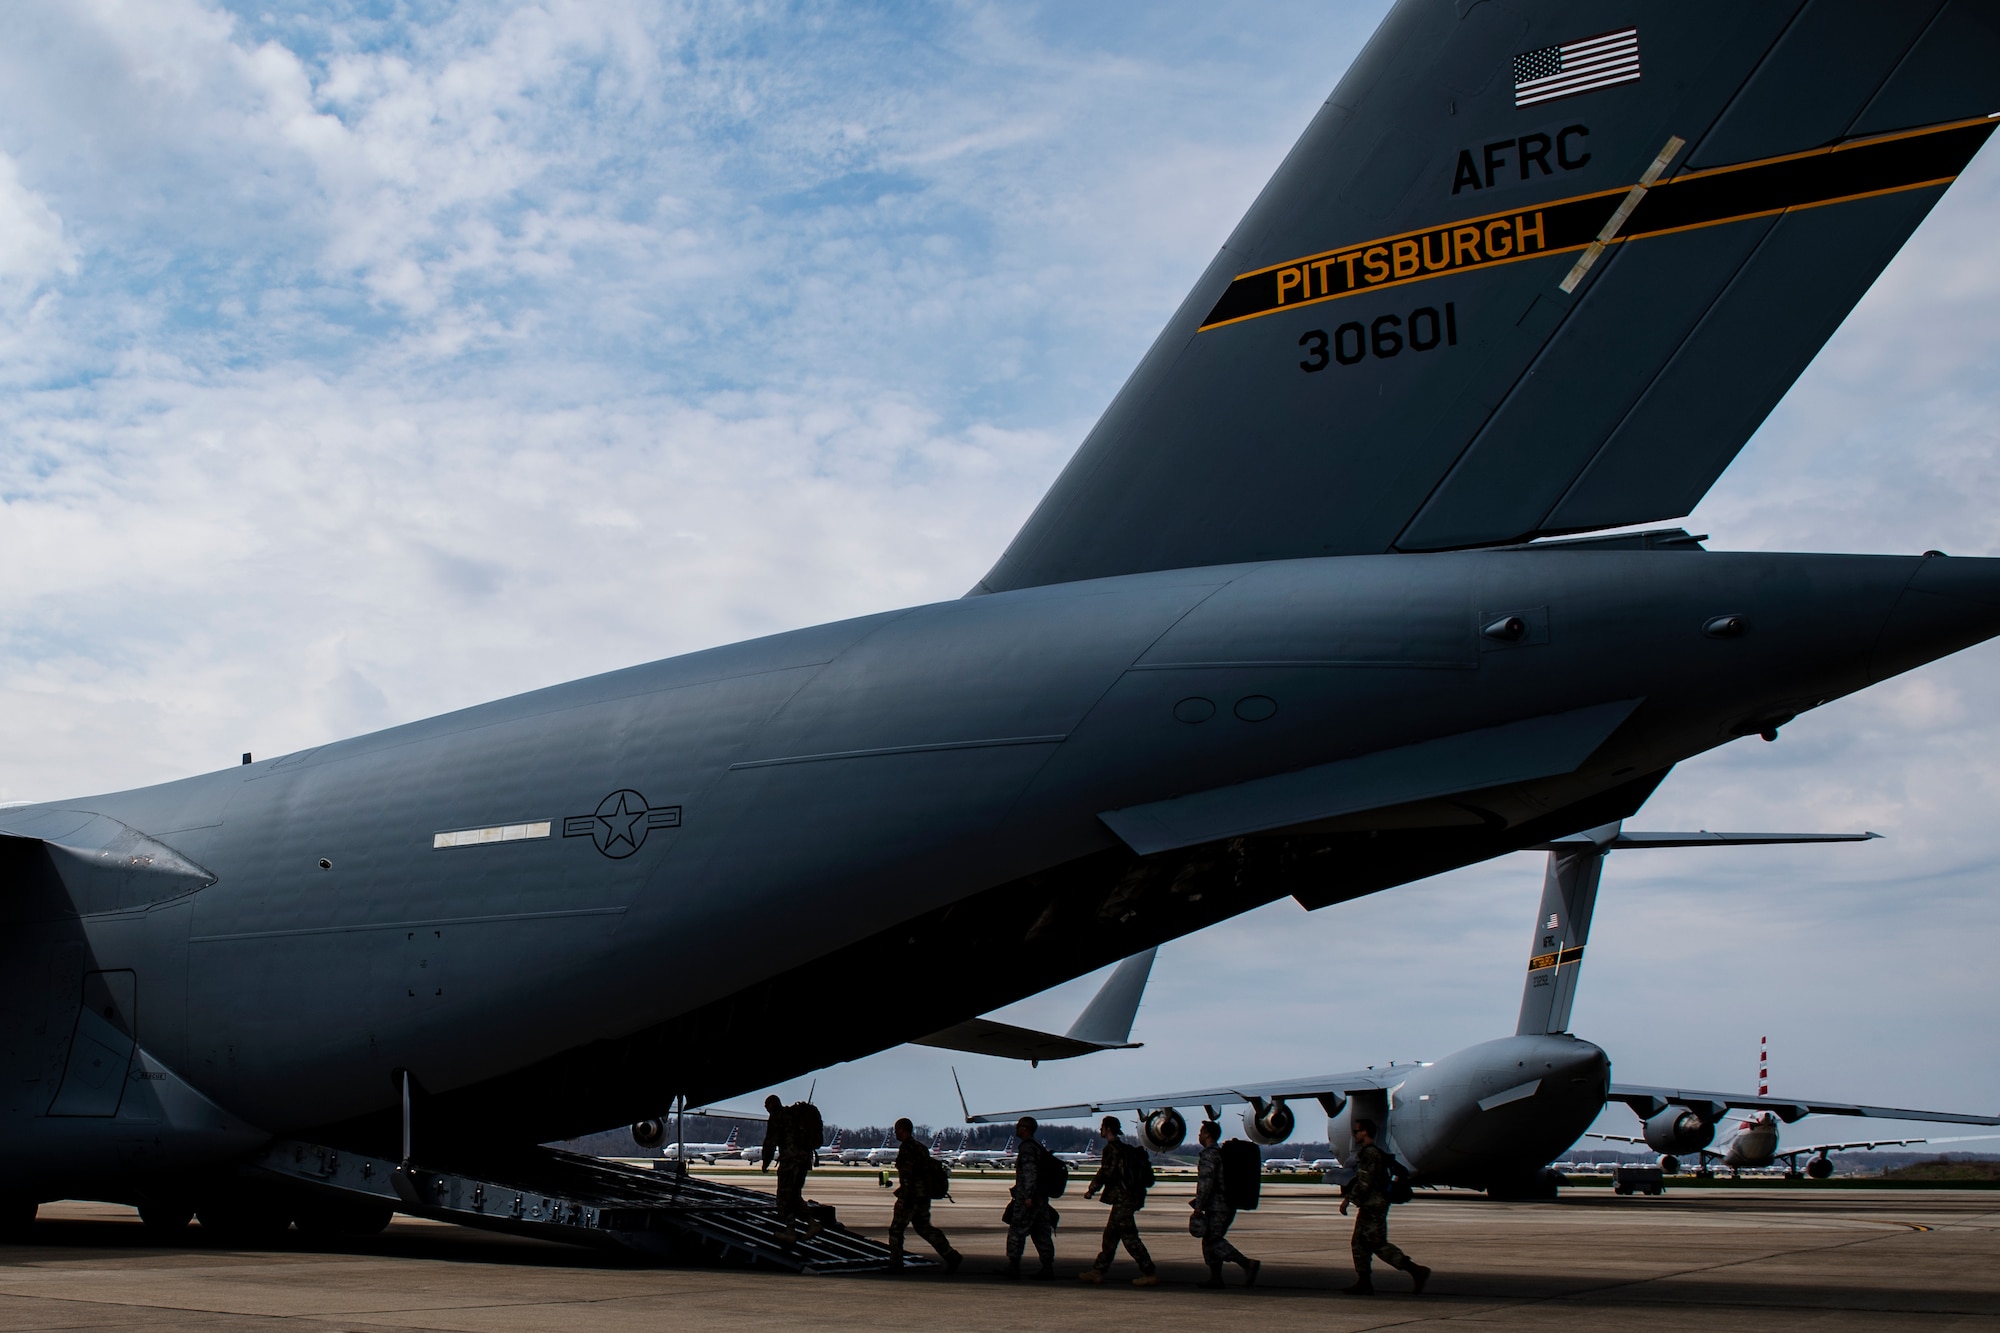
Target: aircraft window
[474, 837]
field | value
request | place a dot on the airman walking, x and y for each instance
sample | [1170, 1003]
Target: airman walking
[794, 1133]
[1124, 1176]
[918, 1177]
[1213, 1209]
[1369, 1193]
[1028, 1215]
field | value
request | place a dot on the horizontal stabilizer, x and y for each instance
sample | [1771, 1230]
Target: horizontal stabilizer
[1539, 747]
[1104, 1025]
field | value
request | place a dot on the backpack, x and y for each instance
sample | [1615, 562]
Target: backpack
[937, 1179]
[1137, 1169]
[1242, 1174]
[1054, 1176]
[808, 1130]
[1399, 1183]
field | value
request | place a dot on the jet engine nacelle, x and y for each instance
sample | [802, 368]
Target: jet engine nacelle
[649, 1133]
[1819, 1168]
[1670, 1165]
[1679, 1129]
[1162, 1131]
[1267, 1123]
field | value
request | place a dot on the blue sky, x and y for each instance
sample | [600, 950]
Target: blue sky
[361, 361]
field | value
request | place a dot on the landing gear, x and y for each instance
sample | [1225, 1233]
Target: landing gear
[165, 1223]
[1540, 1187]
[244, 1221]
[17, 1221]
[329, 1219]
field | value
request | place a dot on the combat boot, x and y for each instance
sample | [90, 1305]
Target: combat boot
[1146, 1280]
[1046, 1273]
[1215, 1282]
[1364, 1284]
[1418, 1276]
[1251, 1268]
[953, 1260]
[1094, 1276]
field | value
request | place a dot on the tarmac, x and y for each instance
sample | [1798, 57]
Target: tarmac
[1729, 1259]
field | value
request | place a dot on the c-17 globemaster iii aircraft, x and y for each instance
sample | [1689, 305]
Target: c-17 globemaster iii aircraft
[1494, 1115]
[1290, 622]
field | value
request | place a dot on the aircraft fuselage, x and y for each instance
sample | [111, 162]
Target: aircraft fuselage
[559, 910]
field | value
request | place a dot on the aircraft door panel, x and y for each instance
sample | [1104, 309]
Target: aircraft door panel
[100, 1052]
[453, 1002]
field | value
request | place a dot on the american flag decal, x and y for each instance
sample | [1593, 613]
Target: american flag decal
[1576, 67]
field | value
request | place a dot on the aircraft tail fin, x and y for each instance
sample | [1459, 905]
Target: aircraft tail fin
[1521, 276]
[1569, 897]
[1562, 928]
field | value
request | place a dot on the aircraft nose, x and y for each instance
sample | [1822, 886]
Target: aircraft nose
[1951, 602]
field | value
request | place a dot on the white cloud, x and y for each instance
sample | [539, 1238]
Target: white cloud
[34, 247]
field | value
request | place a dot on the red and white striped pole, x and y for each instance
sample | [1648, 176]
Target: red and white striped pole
[1763, 1067]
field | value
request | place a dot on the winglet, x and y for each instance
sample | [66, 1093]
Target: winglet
[1104, 1025]
[961, 1095]
[1107, 1019]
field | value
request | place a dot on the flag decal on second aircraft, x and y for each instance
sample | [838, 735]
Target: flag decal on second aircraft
[1576, 67]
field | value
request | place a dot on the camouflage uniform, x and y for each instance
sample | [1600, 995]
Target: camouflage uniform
[1213, 1205]
[1369, 1193]
[785, 1134]
[1028, 1215]
[913, 1203]
[1123, 1224]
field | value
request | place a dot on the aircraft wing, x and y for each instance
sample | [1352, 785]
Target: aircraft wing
[983, 1036]
[1623, 841]
[1646, 1101]
[1331, 1085]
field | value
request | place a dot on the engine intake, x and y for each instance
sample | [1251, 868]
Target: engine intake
[1162, 1131]
[649, 1133]
[1819, 1168]
[1268, 1123]
[1679, 1130]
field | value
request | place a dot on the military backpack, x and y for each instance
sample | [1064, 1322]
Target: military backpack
[1137, 1169]
[1054, 1174]
[808, 1129]
[937, 1178]
[1242, 1173]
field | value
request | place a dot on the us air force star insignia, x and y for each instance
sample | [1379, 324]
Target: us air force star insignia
[620, 823]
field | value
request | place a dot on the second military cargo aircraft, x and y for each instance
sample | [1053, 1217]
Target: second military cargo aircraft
[1493, 1116]
[1288, 623]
